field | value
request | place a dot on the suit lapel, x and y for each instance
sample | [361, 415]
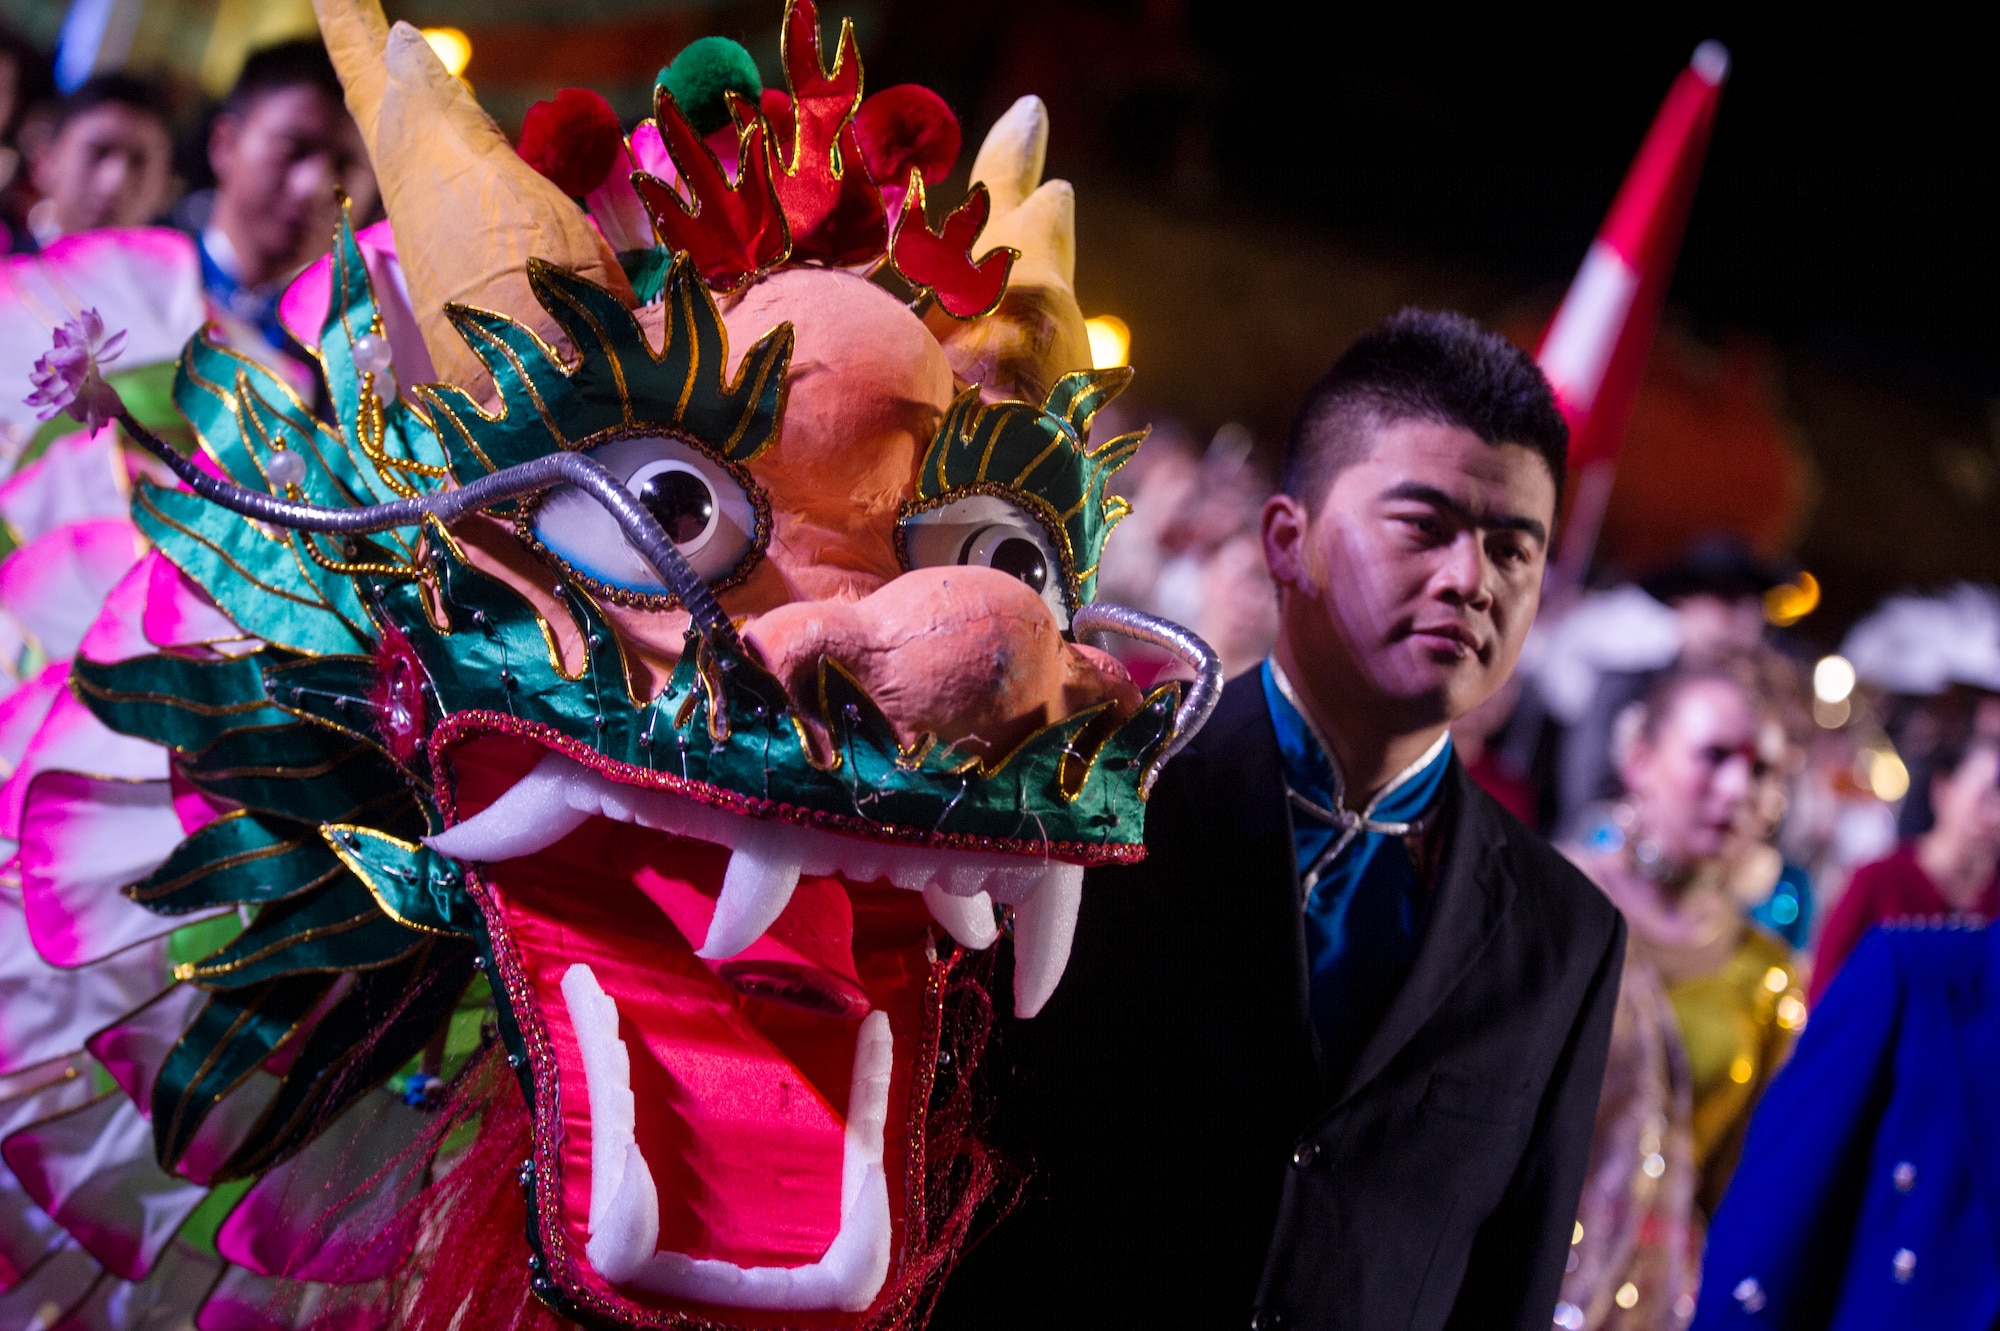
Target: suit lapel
[1469, 899]
[1252, 868]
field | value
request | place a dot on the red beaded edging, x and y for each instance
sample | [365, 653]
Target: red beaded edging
[461, 727]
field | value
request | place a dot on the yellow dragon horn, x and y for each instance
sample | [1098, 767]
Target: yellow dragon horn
[467, 211]
[1037, 334]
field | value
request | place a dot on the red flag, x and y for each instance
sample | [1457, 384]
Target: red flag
[1596, 346]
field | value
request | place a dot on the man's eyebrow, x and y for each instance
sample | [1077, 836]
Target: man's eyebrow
[1420, 493]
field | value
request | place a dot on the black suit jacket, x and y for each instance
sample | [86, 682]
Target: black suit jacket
[1191, 1165]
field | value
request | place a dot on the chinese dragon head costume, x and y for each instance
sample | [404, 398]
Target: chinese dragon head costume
[528, 846]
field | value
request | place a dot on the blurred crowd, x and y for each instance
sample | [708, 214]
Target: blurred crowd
[251, 181]
[1752, 807]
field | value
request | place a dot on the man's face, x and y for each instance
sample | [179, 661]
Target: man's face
[1415, 581]
[110, 166]
[277, 166]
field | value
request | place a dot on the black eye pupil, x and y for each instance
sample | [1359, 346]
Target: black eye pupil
[680, 502]
[1023, 559]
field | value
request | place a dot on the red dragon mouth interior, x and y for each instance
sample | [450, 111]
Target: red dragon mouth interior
[732, 1013]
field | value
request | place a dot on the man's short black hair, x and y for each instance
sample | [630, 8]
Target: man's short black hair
[110, 90]
[299, 64]
[1426, 365]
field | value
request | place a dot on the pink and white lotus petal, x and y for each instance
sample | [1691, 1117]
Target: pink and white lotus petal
[23, 711]
[60, 1282]
[245, 1301]
[180, 614]
[72, 739]
[195, 806]
[118, 631]
[133, 1048]
[77, 479]
[54, 584]
[27, 1234]
[168, 1297]
[82, 839]
[330, 1213]
[304, 304]
[47, 1013]
[13, 643]
[93, 1170]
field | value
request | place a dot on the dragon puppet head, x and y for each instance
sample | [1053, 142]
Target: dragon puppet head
[697, 661]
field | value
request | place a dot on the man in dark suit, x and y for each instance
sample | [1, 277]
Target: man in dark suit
[1330, 1056]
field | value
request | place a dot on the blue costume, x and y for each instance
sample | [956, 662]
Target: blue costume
[1869, 1192]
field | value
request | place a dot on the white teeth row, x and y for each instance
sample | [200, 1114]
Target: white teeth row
[767, 860]
[625, 1201]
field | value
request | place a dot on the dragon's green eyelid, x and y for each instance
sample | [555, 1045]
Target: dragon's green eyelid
[1040, 458]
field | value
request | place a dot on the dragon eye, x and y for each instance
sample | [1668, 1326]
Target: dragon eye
[991, 532]
[1008, 550]
[696, 500]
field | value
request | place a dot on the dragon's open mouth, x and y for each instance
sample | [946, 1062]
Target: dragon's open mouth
[732, 1010]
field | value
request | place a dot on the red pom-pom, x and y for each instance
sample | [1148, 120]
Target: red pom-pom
[906, 126]
[573, 140]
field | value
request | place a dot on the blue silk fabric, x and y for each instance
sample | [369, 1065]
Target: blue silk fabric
[1364, 900]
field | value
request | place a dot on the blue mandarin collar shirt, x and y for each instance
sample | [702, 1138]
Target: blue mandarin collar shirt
[1364, 902]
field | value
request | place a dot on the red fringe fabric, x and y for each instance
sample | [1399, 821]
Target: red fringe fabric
[467, 1230]
[474, 1272]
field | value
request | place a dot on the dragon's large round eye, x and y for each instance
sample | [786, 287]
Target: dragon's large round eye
[696, 500]
[994, 533]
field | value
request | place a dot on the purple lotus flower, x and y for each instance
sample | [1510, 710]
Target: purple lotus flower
[67, 379]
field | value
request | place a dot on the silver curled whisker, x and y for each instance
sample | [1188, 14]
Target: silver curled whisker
[1184, 644]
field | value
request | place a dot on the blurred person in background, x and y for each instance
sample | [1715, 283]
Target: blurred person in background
[1776, 892]
[1189, 551]
[1716, 593]
[1707, 1004]
[106, 161]
[283, 149]
[1948, 870]
[24, 83]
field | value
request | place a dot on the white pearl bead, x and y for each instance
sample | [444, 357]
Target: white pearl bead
[385, 386]
[285, 467]
[371, 352]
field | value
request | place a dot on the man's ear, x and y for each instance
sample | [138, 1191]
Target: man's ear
[1284, 527]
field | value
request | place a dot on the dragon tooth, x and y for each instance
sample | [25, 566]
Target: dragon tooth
[967, 919]
[536, 812]
[1044, 928]
[756, 888]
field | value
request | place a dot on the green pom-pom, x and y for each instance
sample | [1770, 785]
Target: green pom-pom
[702, 75]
